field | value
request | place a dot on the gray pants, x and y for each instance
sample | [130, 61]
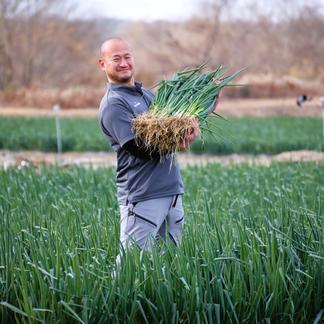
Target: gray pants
[142, 222]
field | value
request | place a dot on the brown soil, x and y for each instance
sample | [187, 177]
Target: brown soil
[227, 107]
[103, 159]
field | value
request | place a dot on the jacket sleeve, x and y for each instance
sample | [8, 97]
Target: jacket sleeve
[117, 121]
[140, 151]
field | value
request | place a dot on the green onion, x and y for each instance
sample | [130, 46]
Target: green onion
[189, 94]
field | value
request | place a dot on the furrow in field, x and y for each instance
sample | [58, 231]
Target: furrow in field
[106, 159]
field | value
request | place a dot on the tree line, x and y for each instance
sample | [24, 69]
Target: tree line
[41, 46]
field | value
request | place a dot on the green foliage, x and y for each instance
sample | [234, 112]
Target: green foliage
[237, 135]
[252, 249]
[262, 135]
[190, 93]
[78, 134]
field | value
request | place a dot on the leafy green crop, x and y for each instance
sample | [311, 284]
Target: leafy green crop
[252, 249]
[237, 135]
[190, 93]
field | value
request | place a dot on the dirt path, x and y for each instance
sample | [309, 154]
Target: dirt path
[103, 159]
[227, 107]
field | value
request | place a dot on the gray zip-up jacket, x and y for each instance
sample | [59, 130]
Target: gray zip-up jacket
[137, 179]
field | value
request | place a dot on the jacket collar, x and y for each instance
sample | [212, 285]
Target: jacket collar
[137, 88]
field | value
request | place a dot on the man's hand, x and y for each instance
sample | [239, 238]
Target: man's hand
[193, 133]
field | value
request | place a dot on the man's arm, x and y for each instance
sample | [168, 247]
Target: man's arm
[117, 121]
[140, 151]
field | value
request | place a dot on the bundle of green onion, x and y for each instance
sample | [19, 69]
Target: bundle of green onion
[190, 94]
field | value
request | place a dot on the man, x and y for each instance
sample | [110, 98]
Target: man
[149, 190]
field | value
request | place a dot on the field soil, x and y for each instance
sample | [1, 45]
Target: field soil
[227, 107]
[104, 159]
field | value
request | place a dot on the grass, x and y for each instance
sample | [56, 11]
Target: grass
[240, 135]
[252, 249]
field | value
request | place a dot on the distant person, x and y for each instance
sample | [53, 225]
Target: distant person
[149, 190]
[302, 99]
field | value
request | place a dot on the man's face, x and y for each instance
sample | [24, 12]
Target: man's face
[118, 63]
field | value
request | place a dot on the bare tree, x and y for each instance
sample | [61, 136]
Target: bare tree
[38, 46]
[7, 10]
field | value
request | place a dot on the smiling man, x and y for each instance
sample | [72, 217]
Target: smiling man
[149, 190]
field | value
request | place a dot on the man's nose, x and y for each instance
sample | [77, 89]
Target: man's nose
[123, 62]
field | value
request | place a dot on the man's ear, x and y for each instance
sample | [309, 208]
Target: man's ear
[102, 64]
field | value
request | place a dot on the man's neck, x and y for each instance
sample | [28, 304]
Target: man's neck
[130, 83]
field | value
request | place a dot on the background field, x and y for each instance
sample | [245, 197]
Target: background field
[239, 135]
[252, 249]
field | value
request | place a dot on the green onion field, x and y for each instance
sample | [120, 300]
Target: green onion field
[252, 248]
[237, 135]
[229, 94]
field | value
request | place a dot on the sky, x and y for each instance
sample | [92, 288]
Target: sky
[147, 10]
[176, 10]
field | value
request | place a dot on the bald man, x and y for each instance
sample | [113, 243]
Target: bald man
[149, 190]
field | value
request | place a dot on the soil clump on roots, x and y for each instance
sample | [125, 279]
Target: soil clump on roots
[162, 134]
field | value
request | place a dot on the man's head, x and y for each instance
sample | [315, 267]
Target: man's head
[116, 60]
